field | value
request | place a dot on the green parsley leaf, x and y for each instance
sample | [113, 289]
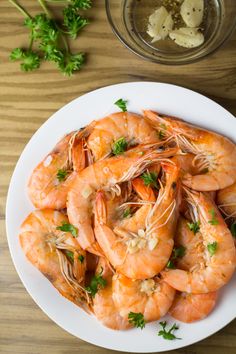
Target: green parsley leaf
[66, 227]
[81, 258]
[194, 227]
[127, 213]
[170, 264]
[97, 282]
[71, 63]
[30, 60]
[161, 134]
[179, 252]
[121, 104]
[73, 21]
[168, 335]
[150, 179]
[213, 220]
[119, 146]
[212, 247]
[136, 319]
[70, 255]
[233, 229]
[82, 4]
[17, 54]
[61, 175]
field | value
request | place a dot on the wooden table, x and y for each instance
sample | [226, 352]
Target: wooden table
[27, 100]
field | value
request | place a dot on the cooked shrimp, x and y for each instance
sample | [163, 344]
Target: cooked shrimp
[226, 200]
[151, 297]
[192, 307]
[215, 155]
[126, 125]
[55, 253]
[142, 255]
[219, 256]
[103, 304]
[46, 188]
[106, 174]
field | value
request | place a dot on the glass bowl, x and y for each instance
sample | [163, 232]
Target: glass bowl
[129, 19]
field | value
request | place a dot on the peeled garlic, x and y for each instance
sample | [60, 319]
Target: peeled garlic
[192, 12]
[187, 37]
[160, 24]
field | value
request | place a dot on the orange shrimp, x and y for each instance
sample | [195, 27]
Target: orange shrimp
[192, 307]
[51, 179]
[143, 255]
[219, 255]
[103, 305]
[55, 253]
[215, 155]
[132, 127]
[226, 200]
[105, 174]
[150, 297]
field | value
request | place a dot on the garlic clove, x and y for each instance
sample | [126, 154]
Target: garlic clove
[160, 24]
[192, 12]
[187, 37]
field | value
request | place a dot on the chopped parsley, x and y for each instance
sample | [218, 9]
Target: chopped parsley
[70, 255]
[61, 175]
[136, 319]
[212, 247]
[150, 179]
[119, 146]
[122, 104]
[81, 258]
[97, 282]
[127, 213]
[178, 252]
[213, 220]
[233, 229]
[161, 134]
[168, 335]
[194, 227]
[68, 228]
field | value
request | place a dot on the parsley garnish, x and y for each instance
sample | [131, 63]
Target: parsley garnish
[213, 220]
[150, 179]
[212, 247]
[49, 37]
[97, 282]
[136, 319]
[233, 229]
[119, 146]
[121, 104]
[68, 228]
[70, 255]
[61, 175]
[81, 258]
[194, 227]
[168, 334]
[161, 134]
[127, 213]
[178, 252]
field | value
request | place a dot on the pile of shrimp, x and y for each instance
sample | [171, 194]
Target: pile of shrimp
[135, 215]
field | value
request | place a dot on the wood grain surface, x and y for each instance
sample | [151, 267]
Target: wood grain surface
[27, 100]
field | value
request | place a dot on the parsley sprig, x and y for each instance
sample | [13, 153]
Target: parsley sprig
[122, 104]
[194, 227]
[119, 146]
[168, 335]
[213, 220]
[150, 179]
[70, 255]
[49, 37]
[136, 319]
[97, 282]
[178, 252]
[212, 247]
[127, 213]
[233, 229]
[61, 175]
[66, 227]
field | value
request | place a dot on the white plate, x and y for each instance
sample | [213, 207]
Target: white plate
[169, 99]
